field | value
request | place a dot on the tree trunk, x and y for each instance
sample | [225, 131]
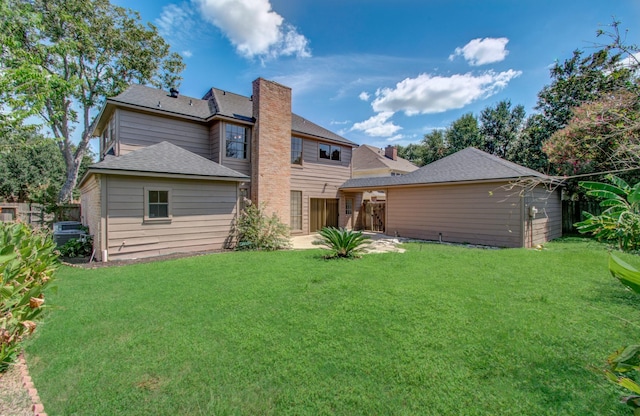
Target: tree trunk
[66, 192]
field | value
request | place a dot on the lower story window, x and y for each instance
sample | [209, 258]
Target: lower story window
[296, 210]
[157, 204]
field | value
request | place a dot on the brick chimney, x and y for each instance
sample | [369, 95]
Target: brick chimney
[391, 152]
[271, 148]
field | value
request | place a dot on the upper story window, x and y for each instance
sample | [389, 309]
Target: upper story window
[296, 151]
[329, 152]
[236, 141]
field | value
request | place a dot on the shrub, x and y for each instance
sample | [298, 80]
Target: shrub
[77, 247]
[343, 242]
[257, 231]
[27, 264]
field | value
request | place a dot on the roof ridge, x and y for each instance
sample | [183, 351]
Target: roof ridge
[507, 163]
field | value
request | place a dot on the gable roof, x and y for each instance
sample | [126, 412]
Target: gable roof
[466, 165]
[216, 102]
[368, 157]
[167, 159]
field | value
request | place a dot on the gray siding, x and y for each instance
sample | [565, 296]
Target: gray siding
[319, 178]
[472, 213]
[214, 138]
[202, 217]
[547, 224]
[141, 129]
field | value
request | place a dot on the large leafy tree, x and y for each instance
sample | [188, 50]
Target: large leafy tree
[413, 152]
[31, 166]
[500, 128]
[60, 58]
[435, 146]
[581, 79]
[463, 133]
[602, 135]
[28, 171]
[528, 148]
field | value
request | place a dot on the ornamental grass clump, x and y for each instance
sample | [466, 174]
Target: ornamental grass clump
[27, 264]
[343, 243]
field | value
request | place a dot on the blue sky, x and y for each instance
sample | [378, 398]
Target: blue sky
[382, 72]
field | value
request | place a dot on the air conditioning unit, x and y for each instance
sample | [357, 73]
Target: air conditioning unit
[62, 237]
[66, 225]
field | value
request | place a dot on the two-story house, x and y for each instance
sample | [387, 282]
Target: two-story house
[174, 171]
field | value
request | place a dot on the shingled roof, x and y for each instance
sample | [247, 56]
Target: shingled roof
[466, 165]
[166, 158]
[160, 100]
[368, 157]
[216, 102]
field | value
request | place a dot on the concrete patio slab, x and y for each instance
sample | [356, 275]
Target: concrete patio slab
[380, 243]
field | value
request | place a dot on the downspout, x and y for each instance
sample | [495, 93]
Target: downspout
[103, 218]
[523, 221]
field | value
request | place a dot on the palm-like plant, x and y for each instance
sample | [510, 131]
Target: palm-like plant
[624, 364]
[620, 221]
[343, 242]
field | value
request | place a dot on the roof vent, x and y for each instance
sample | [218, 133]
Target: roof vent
[174, 92]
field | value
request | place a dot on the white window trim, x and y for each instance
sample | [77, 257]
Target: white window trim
[165, 220]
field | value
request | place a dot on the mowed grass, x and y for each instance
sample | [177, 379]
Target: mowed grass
[438, 330]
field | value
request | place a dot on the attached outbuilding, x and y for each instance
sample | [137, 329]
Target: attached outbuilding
[158, 200]
[470, 197]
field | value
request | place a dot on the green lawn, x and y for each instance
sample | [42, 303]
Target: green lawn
[438, 330]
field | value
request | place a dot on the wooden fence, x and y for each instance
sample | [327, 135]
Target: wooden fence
[572, 213]
[35, 215]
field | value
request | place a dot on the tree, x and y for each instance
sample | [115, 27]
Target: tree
[60, 58]
[463, 133]
[413, 152]
[602, 135]
[435, 146]
[528, 148]
[500, 127]
[29, 170]
[578, 80]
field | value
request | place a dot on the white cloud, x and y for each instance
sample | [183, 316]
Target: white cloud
[364, 96]
[483, 51]
[378, 125]
[428, 94]
[187, 54]
[254, 28]
[396, 138]
[176, 24]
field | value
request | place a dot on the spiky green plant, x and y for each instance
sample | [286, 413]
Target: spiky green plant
[343, 243]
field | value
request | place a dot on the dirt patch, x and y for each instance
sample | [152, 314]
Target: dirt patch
[14, 398]
[83, 262]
